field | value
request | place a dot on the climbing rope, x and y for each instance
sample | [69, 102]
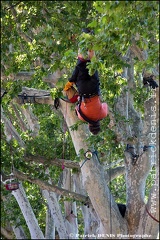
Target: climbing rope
[12, 185]
[25, 98]
[151, 215]
[110, 198]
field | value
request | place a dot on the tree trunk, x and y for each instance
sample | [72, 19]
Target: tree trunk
[56, 213]
[50, 226]
[93, 178]
[70, 207]
[28, 214]
[19, 232]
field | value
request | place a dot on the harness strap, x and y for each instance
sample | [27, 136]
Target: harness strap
[83, 116]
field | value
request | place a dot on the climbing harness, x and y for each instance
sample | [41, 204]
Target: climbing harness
[83, 116]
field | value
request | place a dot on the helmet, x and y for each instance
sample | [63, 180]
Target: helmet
[94, 128]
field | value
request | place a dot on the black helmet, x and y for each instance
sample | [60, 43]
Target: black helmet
[94, 128]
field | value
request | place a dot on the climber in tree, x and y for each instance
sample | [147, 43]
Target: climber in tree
[90, 108]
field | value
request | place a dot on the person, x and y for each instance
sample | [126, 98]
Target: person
[90, 108]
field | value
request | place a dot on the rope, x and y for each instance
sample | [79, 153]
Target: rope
[40, 96]
[64, 130]
[127, 114]
[84, 162]
[31, 98]
[11, 150]
[110, 199]
[151, 215]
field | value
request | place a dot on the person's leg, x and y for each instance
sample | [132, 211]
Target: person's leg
[104, 110]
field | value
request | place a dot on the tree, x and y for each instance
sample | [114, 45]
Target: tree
[61, 193]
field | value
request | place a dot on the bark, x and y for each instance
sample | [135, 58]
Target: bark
[50, 226]
[136, 176]
[32, 121]
[90, 217]
[35, 96]
[12, 229]
[57, 162]
[56, 213]
[27, 76]
[114, 173]
[49, 187]
[20, 121]
[149, 221]
[70, 207]
[28, 214]
[10, 131]
[19, 232]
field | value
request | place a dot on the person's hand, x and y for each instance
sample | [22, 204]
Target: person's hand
[91, 53]
[68, 85]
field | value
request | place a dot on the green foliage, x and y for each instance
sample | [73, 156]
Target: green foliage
[118, 189]
[43, 36]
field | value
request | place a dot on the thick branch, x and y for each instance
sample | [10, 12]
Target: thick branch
[21, 122]
[140, 54]
[10, 130]
[27, 76]
[49, 187]
[114, 173]
[56, 162]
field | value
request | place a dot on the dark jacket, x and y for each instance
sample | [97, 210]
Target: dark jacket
[85, 83]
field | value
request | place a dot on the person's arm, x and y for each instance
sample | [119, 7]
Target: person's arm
[72, 79]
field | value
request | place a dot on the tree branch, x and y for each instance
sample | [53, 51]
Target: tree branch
[10, 130]
[12, 6]
[49, 187]
[27, 76]
[113, 173]
[19, 30]
[56, 162]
